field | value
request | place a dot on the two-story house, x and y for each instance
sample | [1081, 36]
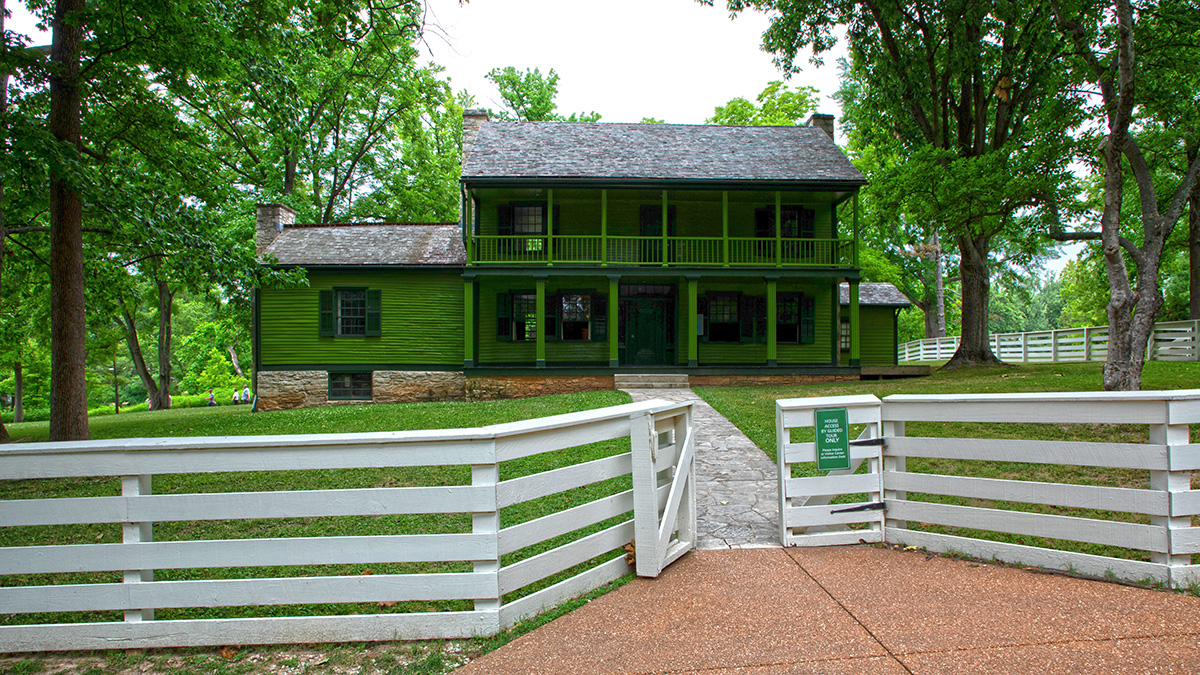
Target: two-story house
[584, 250]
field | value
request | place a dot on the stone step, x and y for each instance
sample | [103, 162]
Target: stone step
[650, 381]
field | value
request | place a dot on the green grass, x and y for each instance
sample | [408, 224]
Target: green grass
[239, 421]
[752, 409]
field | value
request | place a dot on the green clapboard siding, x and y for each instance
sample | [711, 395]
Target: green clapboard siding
[422, 321]
[755, 353]
[877, 340]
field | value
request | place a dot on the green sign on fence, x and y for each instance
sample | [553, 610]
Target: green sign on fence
[833, 439]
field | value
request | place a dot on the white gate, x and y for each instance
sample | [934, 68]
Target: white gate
[664, 489]
[806, 517]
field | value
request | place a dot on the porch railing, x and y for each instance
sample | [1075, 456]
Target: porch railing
[689, 251]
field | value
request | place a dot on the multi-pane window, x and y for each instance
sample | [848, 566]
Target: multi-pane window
[528, 219]
[524, 317]
[724, 322]
[350, 386]
[576, 317]
[845, 335]
[350, 312]
[795, 222]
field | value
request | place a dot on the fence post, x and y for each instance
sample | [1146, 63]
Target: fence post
[136, 533]
[644, 445]
[897, 464]
[488, 523]
[1173, 436]
[1087, 344]
[782, 437]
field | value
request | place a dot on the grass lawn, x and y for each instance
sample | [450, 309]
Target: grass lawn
[237, 420]
[752, 409]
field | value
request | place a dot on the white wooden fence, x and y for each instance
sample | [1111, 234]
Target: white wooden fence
[662, 500]
[1163, 510]
[1169, 341]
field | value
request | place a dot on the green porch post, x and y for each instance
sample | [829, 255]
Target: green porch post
[613, 308]
[855, 230]
[772, 338]
[854, 324]
[541, 322]
[604, 228]
[693, 354]
[550, 226]
[778, 229]
[468, 322]
[725, 227]
[664, 228]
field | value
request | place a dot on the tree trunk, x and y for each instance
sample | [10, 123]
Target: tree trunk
[940, 290]
[18, 393]
[1194, 243]
[135, 354]
[68, 376]
[165, 296]
[116, 390]
[237, 368]
[974, 348]
[3, 148]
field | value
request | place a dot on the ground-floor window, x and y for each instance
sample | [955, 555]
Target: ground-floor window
[350, 386]
[845, 335]
[724, 322]
[569, 316]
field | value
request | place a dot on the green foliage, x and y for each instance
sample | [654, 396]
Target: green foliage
[778, 105]
[529, 96]
[1021, 303]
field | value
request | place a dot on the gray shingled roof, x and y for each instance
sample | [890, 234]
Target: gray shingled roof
[668, 152]
[875, 293]
[370, 244]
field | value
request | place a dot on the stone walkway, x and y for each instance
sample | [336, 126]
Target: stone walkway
[737, 504]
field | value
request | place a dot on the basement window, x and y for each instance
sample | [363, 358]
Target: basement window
[350, 386]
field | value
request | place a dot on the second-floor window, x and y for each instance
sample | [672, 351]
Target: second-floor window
[795, 222]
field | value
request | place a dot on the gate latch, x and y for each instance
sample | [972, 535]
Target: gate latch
[873, 506]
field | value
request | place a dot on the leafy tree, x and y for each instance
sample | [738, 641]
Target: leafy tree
[970, 93]
[778, 105]
[1108, 39]
[529, 97]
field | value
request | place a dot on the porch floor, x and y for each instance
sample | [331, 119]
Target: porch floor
[860, 609]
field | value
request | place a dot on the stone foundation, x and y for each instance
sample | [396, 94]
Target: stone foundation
[281, 390]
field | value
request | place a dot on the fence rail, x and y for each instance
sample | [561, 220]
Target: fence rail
[1169, 341]
[1160, 514]
[660, 434]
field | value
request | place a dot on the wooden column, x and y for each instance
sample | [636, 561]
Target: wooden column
[468, 322]
[772, 322]
[665, 220]
[778, 229]
[693, 354]
[854, 324]
[550, 226]
[613, 312]
[604, 228]
[725, 228]
[541, 322]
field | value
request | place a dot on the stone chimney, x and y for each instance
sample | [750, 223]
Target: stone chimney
[822, 122]
[271, 220]
[473, 118]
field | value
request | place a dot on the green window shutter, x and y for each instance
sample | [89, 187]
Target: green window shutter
[553, 311]
[807, 223]
[808, 320]
[746, 317]
[504, 316]
[327, 314]
[702, 309]
[374, 312]
[760, 318]
[506, 214]
[599, 317]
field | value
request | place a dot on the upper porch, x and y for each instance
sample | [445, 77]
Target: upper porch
[623, 227]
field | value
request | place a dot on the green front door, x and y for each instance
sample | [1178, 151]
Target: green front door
[648, 334]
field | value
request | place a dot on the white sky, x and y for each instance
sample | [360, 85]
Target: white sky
[674, 60]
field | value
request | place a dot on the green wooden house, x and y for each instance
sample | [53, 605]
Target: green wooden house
[583, 251]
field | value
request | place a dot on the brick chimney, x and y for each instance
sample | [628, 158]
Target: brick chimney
[821, 122]
[473, 118]
[271, 219]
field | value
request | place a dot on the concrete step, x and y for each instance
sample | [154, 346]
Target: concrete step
[650, 381]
